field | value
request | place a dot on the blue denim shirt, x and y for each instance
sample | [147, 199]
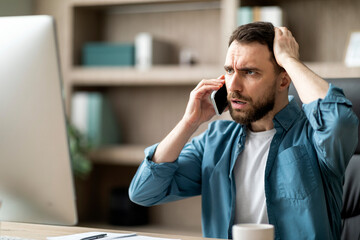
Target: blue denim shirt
[303, 175]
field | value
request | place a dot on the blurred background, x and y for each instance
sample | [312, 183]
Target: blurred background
[128, 68]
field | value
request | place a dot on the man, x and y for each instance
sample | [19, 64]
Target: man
[275, 162]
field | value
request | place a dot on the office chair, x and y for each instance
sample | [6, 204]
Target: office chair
[351, 201]
[350, 212]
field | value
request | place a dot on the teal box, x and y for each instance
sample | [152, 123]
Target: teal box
[108, 54]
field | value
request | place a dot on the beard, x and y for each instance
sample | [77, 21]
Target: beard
[257, 110]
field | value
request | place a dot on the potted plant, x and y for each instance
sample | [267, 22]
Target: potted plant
[79, 148]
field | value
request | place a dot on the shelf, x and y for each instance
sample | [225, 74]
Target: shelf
[333, 70]
[141, 6]
[162, 75]
[92, 3]
[118, 2]
[180, 75]
[127, 155]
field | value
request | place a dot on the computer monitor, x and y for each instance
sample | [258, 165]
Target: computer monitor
[36, 183]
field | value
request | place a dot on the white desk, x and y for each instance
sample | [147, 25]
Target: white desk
[40, 232]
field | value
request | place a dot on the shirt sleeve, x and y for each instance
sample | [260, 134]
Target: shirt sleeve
[335, 128]
[156, 183]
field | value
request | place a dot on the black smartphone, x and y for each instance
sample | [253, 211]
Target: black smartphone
[219, 100]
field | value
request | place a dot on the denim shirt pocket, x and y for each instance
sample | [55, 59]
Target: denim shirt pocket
[295, 173]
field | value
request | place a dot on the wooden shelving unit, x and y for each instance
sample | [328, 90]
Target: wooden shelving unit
[158, 94]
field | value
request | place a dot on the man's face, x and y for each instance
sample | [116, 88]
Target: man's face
[251, 81]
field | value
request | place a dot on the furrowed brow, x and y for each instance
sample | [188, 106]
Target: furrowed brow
[244, 69]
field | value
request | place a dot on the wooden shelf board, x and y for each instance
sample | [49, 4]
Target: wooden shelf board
[162, 75]
[130, 155]
[180, 75]
[90, 3]
[333, 69]
[112, 2]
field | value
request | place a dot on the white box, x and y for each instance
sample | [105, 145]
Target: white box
[150, 51]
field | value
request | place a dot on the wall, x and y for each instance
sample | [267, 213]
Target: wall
[322, 27]
[16, 7]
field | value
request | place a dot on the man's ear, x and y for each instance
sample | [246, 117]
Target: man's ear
[285, 81]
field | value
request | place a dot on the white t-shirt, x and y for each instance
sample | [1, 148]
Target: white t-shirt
[249, 178]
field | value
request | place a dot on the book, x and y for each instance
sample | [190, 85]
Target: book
[273, 14]
[92, 115]
[244, 15]
[352, 56]
[79, 108]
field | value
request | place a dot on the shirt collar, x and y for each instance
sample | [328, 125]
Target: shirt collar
[288, 115]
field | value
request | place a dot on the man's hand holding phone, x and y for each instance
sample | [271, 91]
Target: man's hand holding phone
[200, 108]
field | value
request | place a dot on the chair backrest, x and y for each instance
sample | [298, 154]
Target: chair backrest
[351, 196]
[350, 212]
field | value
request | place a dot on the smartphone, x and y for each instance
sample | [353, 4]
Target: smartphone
[219, 100]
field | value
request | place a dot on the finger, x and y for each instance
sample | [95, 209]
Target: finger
[210, 82]
[285, 31]
[208, 89]
[278, 34]
[202, 93]
[205, 90]
[278, 31]
[289, 33]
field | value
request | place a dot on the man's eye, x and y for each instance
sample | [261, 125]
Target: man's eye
[229, 71]
[249, 72]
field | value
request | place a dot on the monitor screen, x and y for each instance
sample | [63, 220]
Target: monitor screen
[36, 183]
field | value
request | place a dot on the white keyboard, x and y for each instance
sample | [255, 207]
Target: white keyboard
[13, 238]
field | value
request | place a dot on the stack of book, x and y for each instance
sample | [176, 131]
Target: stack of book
[273, 14]
[93, 116]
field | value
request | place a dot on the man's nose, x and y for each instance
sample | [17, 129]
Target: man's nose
[234, 82]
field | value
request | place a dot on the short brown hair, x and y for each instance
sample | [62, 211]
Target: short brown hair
[261, 32]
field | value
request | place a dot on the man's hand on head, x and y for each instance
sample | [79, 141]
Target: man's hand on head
[285, 46]
[308, 84]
